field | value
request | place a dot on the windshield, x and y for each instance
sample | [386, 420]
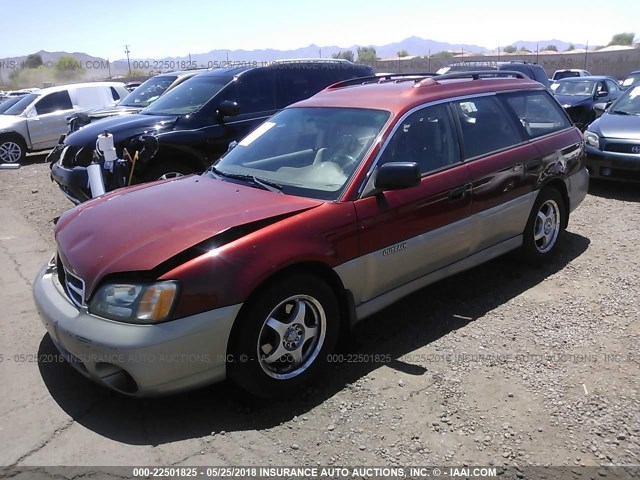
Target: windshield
[577, 88]
[8, 103]
[310, 152]
[628, 103]
[567, 74]
[188, 96]
[149, 91]
[21, 104]
[631, 79]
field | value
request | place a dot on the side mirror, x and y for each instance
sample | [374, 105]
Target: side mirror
[397, 176]
[228, 108]
[232, 145]
[599, 108]
[30, 113]
[601, 94]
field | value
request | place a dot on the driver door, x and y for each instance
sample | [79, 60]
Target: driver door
[48, 119]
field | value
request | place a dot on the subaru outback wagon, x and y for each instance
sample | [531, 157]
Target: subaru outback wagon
[333, 209]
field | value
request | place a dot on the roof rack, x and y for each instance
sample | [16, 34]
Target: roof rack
[388, 77]
[480, 74]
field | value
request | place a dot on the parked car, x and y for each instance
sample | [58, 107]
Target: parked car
[331, 210]
[38, 119]
[531, 70]
[613, 140]
[131, 86]
[632, 78]
[569, 73]
[195, 121]
[9, 102]
[4, 96]
[134, 102]
[579, 95]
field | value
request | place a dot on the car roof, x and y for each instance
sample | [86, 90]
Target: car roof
[59, 88]
[588, 77]
[398, 96]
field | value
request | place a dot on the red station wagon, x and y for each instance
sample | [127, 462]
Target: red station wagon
[333, 209]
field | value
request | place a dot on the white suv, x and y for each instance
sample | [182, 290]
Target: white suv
[38, 119]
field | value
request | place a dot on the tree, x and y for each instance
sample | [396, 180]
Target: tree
[570, 47]
[346, 55]
[622, 39]
[403, 53]
[367, 54]
[553, 48]
[33, 61]
[510, 49]
[443, 54]
[525, 50]
[68, 67]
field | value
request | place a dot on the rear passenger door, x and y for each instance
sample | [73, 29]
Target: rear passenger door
[503, 168]
[48, 120]
[406, 234]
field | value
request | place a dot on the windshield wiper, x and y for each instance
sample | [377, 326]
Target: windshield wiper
[620, 112]
[261, 182]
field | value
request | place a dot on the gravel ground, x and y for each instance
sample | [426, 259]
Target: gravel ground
[501, 365]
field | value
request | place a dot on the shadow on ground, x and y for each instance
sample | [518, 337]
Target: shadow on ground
[629, 192]
[402, 328]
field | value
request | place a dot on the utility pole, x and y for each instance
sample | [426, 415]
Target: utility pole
[127, 51]
[109, 68]
[586, 49]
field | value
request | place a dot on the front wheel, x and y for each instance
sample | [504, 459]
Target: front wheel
[12, 149]
[283, 336]
[544, 227]
[165, 170]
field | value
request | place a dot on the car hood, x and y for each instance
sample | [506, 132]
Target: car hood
[138, 228]
[109, 112]
[574, 100]
[121, 127]
[10, 121]
[611, 125]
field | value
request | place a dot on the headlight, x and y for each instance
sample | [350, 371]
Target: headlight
[135, 303]
[592, 139]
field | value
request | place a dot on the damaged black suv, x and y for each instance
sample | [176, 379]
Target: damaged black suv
[195, 121]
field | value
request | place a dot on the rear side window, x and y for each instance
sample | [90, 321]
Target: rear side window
[485, 126]
[115, 94]
[426, 137]
[538, 113]
[54, 102]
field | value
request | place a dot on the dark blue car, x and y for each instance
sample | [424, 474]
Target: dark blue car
[578, 95]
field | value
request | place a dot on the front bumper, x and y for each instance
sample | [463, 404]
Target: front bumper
[137, 360]
[73, 182]
[613, 165]
[577, 188]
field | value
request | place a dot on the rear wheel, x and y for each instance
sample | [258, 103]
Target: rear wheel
[283, 336]
[12, 149]
[544, 227]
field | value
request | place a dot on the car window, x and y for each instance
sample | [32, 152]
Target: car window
[538, 113]
[54, 102]
[149, 91]
[188, 97]
[310, 152]
[426, 137]
[114, 93]
[612, 86]
[576, 88]
[21, 105]
[256, 91]
[485, 126]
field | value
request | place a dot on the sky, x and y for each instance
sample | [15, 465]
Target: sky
[166, 28]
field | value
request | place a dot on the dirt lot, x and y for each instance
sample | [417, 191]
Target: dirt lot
[503, 365]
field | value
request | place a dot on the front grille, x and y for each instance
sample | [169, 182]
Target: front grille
[73, 285]
[623, 148]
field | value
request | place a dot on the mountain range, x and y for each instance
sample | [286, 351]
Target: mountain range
[97, 67]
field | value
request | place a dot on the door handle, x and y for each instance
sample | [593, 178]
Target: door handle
[457, 194]
[533, 165]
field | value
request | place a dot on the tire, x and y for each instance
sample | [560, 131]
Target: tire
[544, 227]
[165, 170]
[12, 149]
[271, 351]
